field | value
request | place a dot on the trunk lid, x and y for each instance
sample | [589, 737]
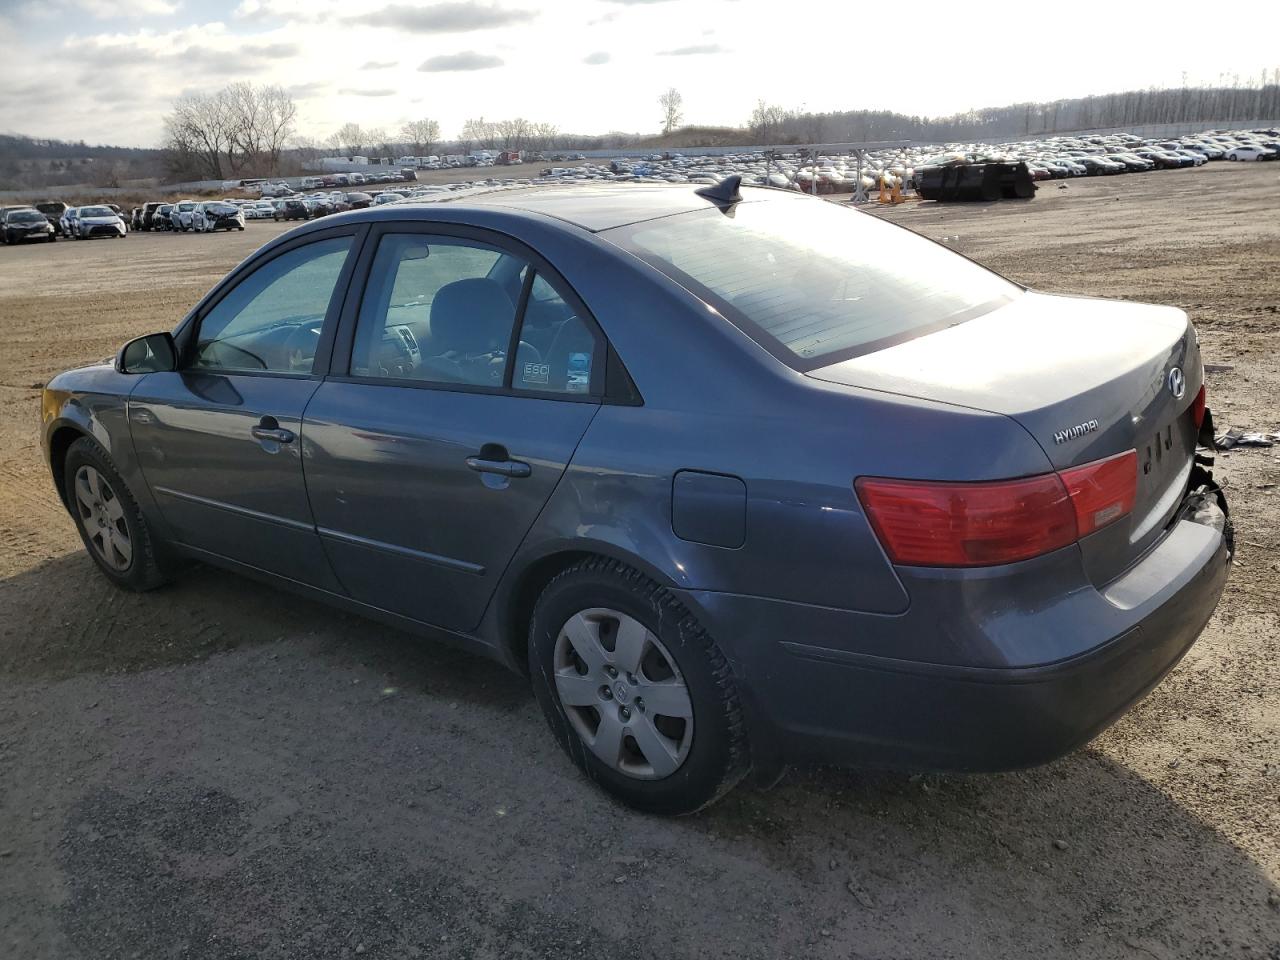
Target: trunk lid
[1086, 378]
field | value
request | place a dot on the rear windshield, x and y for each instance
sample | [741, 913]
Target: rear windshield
[813, 282]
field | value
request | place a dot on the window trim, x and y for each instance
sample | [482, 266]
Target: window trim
[344, 340]
[188, 331]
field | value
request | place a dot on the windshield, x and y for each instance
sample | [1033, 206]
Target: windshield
[812, 282]
[186, 207]
[97, 212]
[27, 216]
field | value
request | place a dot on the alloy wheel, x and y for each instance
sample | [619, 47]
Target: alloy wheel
[102, 517]
[623, 693]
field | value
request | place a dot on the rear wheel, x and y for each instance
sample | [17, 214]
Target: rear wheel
[635, 690]
[109, 520]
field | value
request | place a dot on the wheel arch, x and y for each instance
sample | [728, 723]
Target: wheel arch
[525, 584]
[60, 441]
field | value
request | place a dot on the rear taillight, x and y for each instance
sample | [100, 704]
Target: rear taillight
[1197, 408]
[944, 524]
[1103, 491]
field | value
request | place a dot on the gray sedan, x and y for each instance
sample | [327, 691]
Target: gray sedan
[737, 478]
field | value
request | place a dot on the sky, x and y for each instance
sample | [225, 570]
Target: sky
[107, 71]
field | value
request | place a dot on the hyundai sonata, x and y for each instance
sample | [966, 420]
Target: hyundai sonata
[737, 478]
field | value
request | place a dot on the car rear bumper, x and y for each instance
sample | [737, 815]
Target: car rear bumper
[811, 697]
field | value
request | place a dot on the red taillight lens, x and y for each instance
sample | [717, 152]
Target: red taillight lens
[921, 523]
[1103, 491]
[944, 524]
[1197, 408]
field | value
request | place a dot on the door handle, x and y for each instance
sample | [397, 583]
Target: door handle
[268, 428]
[278, 434]
[503, 468]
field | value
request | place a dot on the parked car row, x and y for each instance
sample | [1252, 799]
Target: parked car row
[47, 221]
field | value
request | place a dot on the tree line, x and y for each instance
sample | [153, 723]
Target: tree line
[1258, 100]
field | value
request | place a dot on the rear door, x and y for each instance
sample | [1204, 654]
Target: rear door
[453, 409]
[219, 440]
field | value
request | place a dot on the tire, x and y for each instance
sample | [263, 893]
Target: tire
[680, 662]
[124, 525]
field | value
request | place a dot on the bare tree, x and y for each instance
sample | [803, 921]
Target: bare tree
[376, 141]
[241, 127]
[544, 136]
[767, 120]
[671, 102]
[421, 135]
[479, 133]
[348, 138]
[197, 132]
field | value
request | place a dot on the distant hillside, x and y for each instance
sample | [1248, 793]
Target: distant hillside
[27, 162]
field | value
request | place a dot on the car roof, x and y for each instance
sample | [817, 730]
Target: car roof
[593, 207]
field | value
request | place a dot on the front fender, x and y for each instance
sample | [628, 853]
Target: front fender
[94, 402]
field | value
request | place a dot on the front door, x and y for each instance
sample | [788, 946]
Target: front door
[431, 454]
[220, 440]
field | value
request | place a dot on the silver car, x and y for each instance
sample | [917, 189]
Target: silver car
[97, 221]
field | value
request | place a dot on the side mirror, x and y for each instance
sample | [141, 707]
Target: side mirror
[154, 353]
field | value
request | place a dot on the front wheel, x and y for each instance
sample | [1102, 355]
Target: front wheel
[109, 520]
[635, 689]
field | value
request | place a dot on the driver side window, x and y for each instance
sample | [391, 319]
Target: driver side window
[272, 319]
[437, 310]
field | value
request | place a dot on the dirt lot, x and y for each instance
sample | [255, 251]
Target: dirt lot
[218, 770]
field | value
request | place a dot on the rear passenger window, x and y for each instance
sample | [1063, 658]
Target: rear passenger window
[437, 310]
[557, 348]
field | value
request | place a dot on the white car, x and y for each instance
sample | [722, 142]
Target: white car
[98, 221]
[216, 214]
[1245, 152]
[260, 210]
[181, 215]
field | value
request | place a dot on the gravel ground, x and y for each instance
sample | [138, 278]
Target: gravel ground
[219, 770]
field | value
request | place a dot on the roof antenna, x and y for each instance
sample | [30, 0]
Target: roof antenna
[723, 194]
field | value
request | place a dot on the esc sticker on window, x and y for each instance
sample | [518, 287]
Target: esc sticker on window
[577, 376]
[579, 373]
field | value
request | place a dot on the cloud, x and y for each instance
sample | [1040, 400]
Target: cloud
[378, 65]
[273, 51]
[452, 17]
[467, 60]
[635, 3]
[304, 91]
[299, 11]
[104, 9]
[380, 92]
[597, 58]
[693, 51]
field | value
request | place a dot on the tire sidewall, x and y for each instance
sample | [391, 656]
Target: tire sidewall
[710, 767]
[143, 573]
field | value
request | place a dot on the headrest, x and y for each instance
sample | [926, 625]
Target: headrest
[471, 316]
